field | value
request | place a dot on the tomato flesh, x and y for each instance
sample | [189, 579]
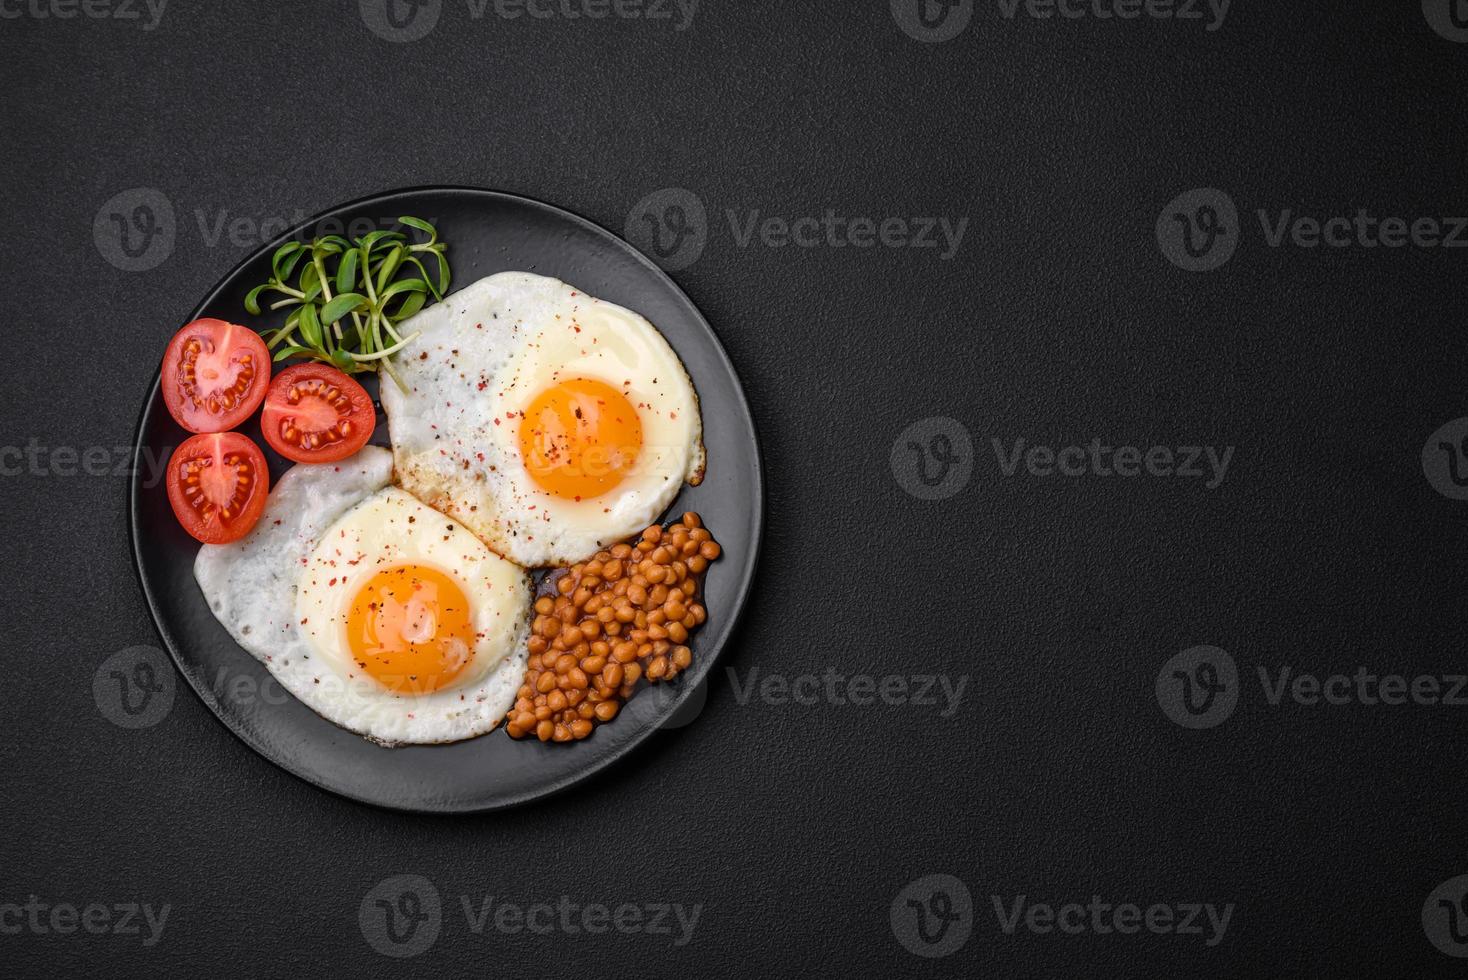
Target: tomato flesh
[316, 414]
[214, 375]
[217, 484]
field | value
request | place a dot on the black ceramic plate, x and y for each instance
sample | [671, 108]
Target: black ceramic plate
[488, 232]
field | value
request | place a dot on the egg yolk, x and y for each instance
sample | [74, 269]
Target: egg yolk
[408, 628]
[579, 438]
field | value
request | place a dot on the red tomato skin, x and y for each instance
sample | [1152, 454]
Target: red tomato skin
[218, 445]
[227, 336]
[362, 414]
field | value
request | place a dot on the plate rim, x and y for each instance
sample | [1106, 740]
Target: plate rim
[744, 586]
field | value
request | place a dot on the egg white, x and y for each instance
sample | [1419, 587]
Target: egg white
[482, 357]
[318, 519]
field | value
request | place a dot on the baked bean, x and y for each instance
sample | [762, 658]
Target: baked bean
[620, 617]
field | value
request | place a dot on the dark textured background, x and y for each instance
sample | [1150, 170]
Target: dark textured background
[1059, 320]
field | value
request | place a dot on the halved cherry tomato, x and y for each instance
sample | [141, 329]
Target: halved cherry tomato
[316, 414]
[214, 375]
[217, 484]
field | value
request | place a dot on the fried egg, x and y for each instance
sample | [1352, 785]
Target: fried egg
[379, 613]
[549, 422]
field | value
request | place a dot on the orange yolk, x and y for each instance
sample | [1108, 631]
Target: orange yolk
[409, 629]
[579, 438]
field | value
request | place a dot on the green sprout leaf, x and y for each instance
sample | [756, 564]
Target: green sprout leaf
[343, 299]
